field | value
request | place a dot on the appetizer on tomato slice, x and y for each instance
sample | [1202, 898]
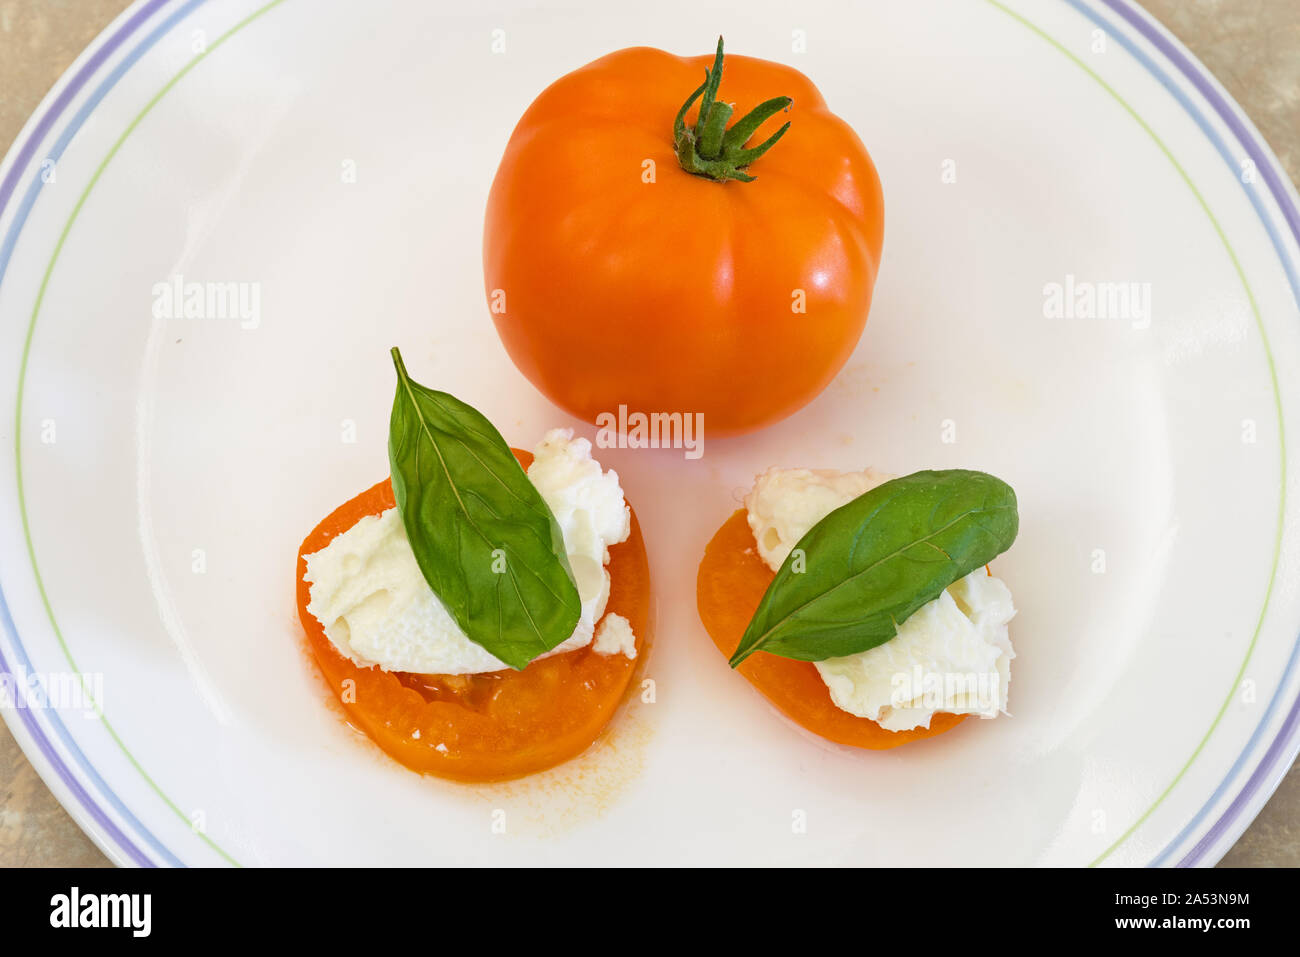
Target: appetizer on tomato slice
[477, 621]
[689, 246]
[861, 606]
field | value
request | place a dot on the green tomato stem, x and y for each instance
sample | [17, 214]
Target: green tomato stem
[711, 149]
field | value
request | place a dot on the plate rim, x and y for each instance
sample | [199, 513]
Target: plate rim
[1282, 751]
[93, 819]
[1247, 799]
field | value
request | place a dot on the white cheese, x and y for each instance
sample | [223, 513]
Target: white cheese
[786, 503]
[375, 606]
[614, 637]
[952, 655]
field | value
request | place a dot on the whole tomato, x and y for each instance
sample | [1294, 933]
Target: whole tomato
[636, 255]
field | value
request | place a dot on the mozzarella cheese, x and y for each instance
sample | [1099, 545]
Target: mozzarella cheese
[369, 594]
[952, 655]
[786, 503]
[614, 637]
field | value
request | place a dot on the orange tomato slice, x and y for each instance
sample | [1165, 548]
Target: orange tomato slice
[730, 584]
[488, 727]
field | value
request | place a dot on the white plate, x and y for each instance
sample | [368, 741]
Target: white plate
[164, 470]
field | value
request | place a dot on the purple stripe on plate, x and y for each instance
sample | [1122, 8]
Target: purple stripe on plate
[65, 775]
[1265, 774]
[21, 162]
[69, 92]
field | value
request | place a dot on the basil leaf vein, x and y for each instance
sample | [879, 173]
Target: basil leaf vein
[483, 536]
[870, 564]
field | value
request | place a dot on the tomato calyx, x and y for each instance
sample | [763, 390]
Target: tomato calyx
[711, 149]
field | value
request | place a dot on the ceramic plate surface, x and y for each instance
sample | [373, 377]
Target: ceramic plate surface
[333, 161]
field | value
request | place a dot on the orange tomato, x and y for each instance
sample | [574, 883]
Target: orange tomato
[730, 584]
[616, 277]
[487, 727]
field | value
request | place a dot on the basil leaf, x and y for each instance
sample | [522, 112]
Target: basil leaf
[482, 534]
[868, 565]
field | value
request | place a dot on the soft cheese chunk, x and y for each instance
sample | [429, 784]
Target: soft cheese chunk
[614, 637]
[785, 503]
[952, 655]
[375, 606]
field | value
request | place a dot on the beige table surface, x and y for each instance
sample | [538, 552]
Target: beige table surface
[1252, 46]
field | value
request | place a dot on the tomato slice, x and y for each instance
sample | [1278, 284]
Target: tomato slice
[730, 584]
[488, 727]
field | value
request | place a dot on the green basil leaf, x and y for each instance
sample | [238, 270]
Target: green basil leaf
[868, 565]
[482, 534]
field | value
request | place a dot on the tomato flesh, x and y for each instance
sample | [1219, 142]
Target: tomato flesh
[730, 584]
[486, 727]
